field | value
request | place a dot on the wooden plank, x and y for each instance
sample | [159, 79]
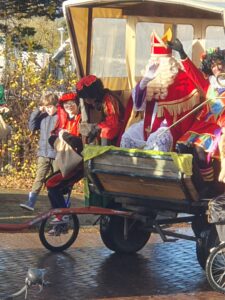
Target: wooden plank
[146, 166]
[191, 189]
[142, 187]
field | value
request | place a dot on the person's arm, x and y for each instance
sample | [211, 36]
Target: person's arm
[222, 156]
[110, 125]
[192, 71]
[195, 75]
[52, 140]
[35, 119]
[139, 91]
[138, 96]
[74, 141]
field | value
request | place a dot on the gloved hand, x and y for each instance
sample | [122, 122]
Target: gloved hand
[177, 46]
[74, 141]
[52, 140]
[93, 134]
[150, 74]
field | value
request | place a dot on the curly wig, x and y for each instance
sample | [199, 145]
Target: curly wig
[90, 87]
[210, 56]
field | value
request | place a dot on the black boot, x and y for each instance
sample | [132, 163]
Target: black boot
[209, 190]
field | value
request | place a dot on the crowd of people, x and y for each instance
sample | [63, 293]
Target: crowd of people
[166, 97]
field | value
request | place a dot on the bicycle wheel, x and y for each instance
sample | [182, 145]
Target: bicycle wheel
[215, 268]
[59, 237]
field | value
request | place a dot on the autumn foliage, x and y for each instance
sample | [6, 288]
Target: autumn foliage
[24, 81]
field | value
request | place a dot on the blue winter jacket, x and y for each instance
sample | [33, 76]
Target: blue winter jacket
[45, 123]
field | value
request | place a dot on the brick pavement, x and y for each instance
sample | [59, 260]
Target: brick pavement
[88, 270]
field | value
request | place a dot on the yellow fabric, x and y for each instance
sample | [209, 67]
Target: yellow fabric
[79, 17]
[102, 12]
[80, 25]
[183, 162]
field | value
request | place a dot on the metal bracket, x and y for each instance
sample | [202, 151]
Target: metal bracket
[162, 235]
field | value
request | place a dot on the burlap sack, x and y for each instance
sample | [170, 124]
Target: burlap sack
[66, 158]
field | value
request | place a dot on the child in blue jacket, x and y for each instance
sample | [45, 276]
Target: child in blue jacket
[43, 118]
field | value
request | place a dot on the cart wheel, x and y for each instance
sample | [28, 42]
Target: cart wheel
[207, 240]
[61, 236]
[215, 268]
[105, 232]
[112, 233]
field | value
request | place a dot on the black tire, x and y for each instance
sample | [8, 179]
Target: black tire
[207, 240]
[112, 234]
[215, 268]
[105, 232]
[64, 237]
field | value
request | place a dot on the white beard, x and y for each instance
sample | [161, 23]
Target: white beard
[166, 74]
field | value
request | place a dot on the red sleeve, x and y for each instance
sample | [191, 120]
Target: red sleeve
[195, 75]
[111, 124]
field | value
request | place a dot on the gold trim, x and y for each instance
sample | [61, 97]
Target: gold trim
[154, 54]
[179, 106]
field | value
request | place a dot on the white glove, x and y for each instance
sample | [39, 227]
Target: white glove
[150, 74]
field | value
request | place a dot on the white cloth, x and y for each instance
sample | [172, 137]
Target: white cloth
[214, 83]
[160, 140]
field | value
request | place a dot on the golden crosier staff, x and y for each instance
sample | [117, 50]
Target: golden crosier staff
[221, 81]
[221, 177]
[190, 112]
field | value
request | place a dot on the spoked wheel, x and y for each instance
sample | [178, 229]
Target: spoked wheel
[215, 268]
[112, 234]
[59, 237]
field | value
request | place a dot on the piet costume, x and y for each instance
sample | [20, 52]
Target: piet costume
[64, 122]
[91, 87]
[205, 134]
[69, 124]
[167, 97]
[206, 130]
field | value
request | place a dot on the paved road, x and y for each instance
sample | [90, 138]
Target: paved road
[88, 270]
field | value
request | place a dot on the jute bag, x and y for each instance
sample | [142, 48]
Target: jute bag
[66, 158]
